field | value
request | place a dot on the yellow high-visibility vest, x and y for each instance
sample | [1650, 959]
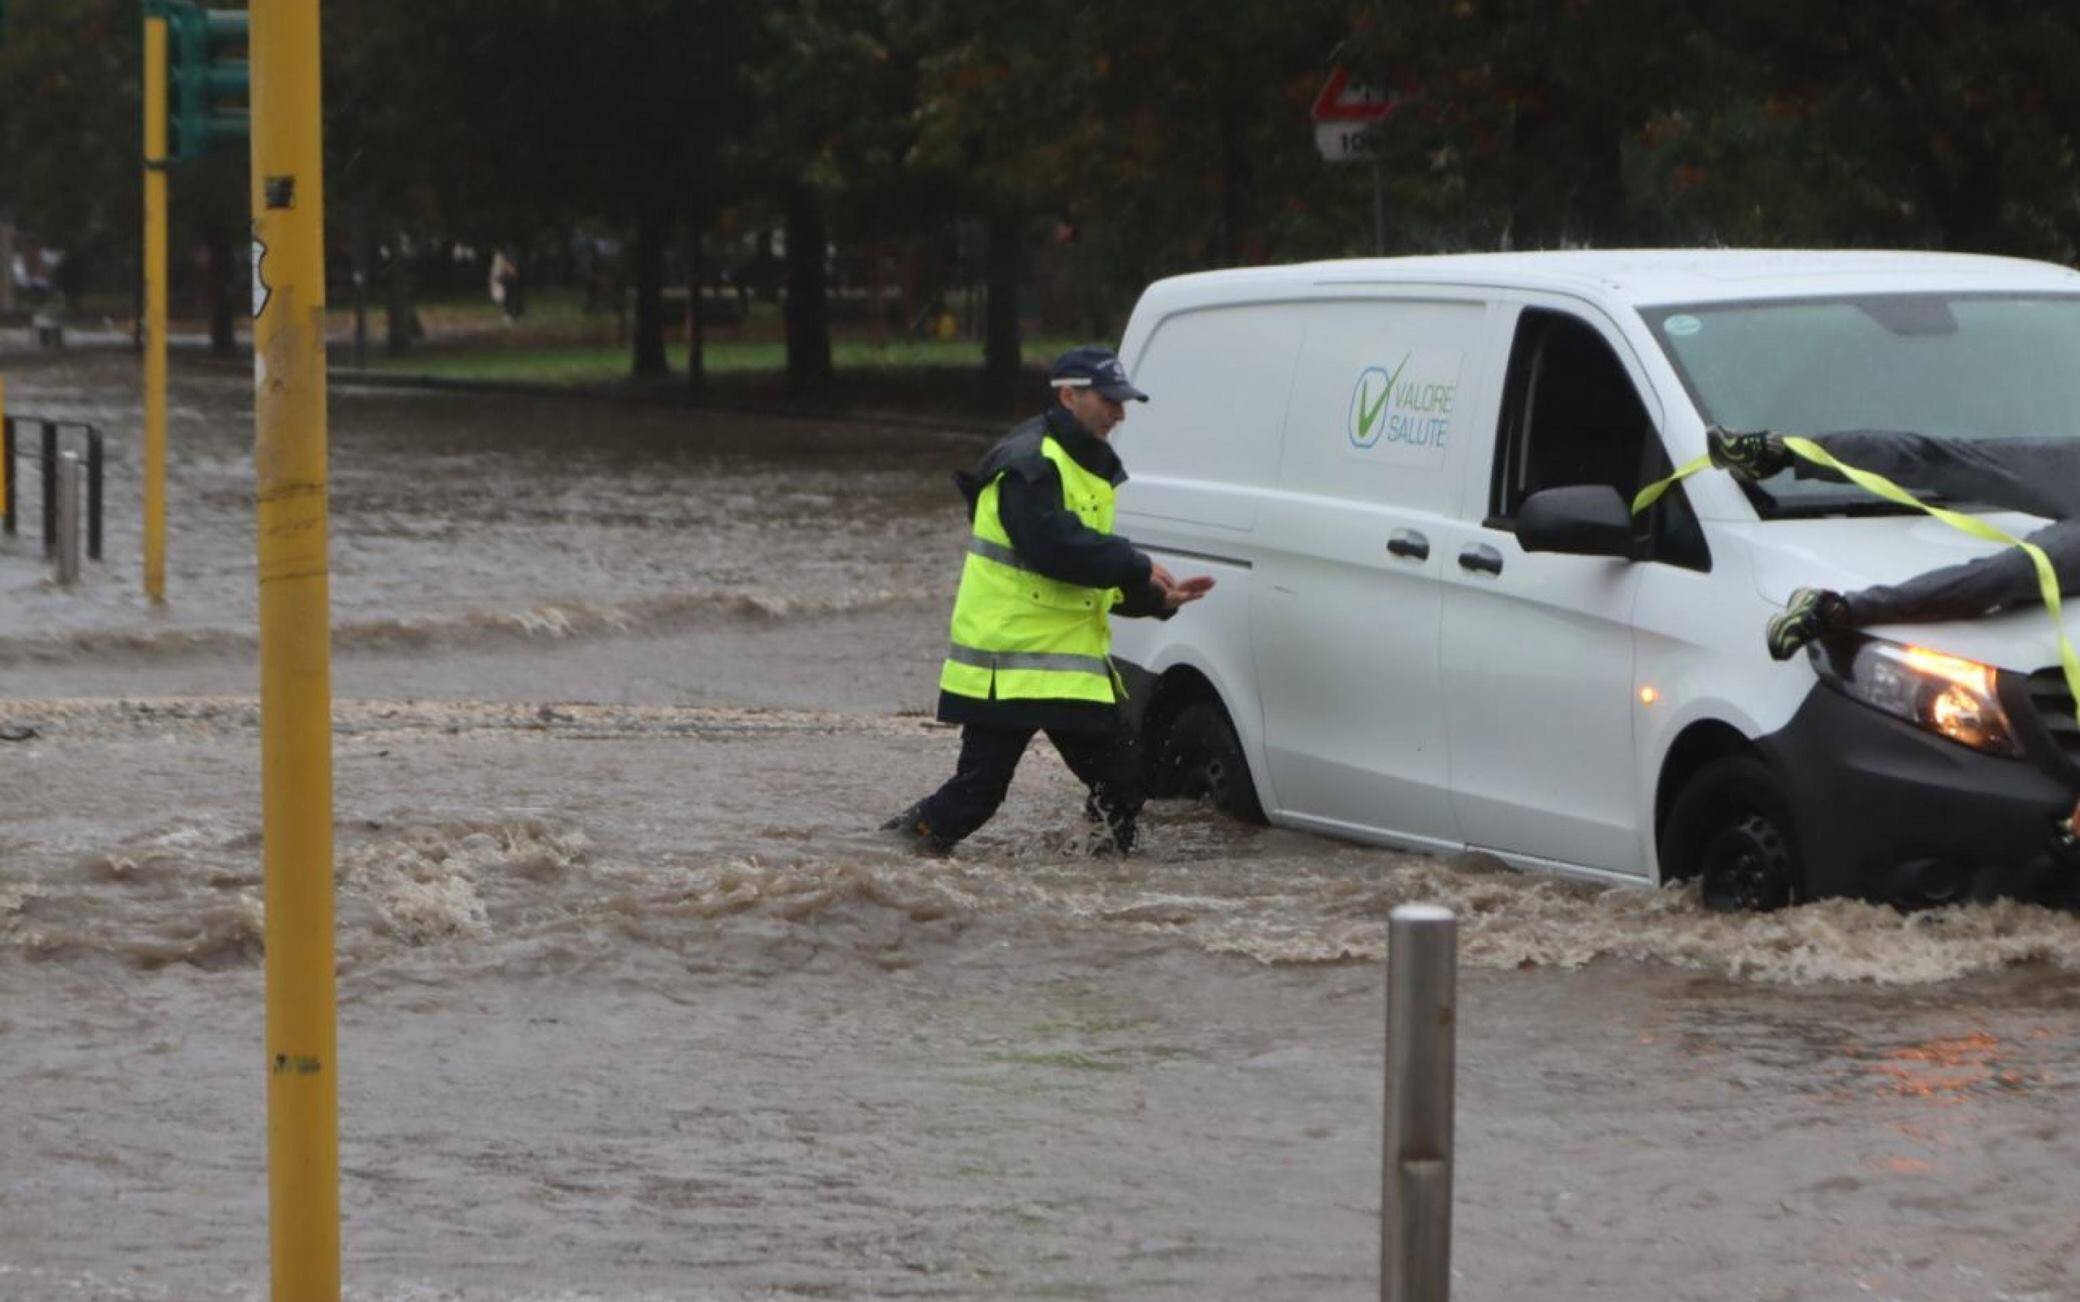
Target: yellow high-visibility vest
[1018, 635]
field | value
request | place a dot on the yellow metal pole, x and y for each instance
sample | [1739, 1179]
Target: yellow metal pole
[154, 306]
[295, 650]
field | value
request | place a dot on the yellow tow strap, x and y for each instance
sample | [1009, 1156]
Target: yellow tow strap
[1651, 494]
[2047, 577]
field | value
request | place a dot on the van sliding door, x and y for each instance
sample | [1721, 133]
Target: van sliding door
[1346, 597]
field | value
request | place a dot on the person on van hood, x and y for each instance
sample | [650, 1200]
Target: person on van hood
[2036, 476]
[1031, 637]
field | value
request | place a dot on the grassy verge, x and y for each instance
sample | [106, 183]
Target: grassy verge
[608, 363]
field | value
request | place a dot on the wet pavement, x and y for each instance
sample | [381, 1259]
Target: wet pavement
[635, 1004]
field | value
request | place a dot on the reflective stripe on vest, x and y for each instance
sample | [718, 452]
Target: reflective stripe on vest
[999, 553]
[1059, 661]
[1017, 634]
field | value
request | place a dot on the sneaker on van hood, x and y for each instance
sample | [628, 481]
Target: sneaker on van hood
[1747, 457]
[1809, 613]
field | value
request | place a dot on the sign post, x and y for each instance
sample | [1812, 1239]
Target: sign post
[295, 650]
[155, 164]
[190, 89]
[1344, 113]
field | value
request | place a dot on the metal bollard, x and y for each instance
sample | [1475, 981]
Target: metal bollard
[1416, 1181]
[50, 486]
[7, 472]
[68, 519]
[94, 460]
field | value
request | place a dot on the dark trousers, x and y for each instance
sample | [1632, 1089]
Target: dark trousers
[2039, 476]
[1108, 763]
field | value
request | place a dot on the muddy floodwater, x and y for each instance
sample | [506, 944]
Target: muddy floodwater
[635, 1004]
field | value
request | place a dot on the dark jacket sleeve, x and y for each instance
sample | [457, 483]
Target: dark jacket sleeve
[1141, 602]
[1048, 536]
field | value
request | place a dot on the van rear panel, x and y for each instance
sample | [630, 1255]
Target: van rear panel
[1217, 380]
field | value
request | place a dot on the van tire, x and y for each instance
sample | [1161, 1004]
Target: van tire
[1731, 829]
[1198, 756]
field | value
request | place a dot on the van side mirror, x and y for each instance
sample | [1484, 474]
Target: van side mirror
[1579, 520]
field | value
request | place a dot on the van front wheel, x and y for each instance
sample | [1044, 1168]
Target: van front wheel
[1198, 755]
[1731, 829]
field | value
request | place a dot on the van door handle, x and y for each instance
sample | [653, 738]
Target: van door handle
[1409, 543]
[1480, 556]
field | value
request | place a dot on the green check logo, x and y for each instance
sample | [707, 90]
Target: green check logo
[1367, 408]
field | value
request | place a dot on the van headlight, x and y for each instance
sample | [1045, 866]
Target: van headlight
[1960, 699]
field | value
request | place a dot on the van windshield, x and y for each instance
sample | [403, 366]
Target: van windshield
[1976, 366]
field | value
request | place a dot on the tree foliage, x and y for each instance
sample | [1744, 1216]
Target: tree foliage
[69, 123]
[1106, 144]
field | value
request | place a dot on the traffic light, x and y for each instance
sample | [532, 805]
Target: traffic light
[211, 77]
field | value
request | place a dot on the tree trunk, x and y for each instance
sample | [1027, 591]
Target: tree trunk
[223, 332]
[1000, 344]
[1231, 121]
[398, 316]
[1603, 186]
[1967, 199]
[1532, 223]
[358, 237]
[767, 275]
[912, 309]
[651, 231]
[808, 299]
[877, 306]
[696, 314]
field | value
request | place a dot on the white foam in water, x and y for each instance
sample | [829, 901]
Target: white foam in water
[1282, 898]
[1328, 906]
[428, 885]
[190, 892]
[164, 894]
[1510, 921]
[14, 898]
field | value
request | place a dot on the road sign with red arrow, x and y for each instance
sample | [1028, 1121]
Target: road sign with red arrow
[1343, 112]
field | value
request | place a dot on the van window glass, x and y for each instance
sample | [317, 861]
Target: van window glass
[1955, 365]
[1570, 415]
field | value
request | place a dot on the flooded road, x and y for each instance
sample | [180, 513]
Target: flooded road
[634, 1003]
[459, 515]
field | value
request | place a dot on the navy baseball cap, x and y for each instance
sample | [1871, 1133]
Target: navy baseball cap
[1093, 367]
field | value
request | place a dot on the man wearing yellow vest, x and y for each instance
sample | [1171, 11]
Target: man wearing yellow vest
[1031, 632]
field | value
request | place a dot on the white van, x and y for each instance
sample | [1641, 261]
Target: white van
[1437, 627]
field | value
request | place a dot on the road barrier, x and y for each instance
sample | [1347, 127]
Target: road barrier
[1416, 1178]
[48, 450]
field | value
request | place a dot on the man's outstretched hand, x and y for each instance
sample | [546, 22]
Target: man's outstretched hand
[1182, 592]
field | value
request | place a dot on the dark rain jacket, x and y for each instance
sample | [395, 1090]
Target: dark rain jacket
[1048, 537]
